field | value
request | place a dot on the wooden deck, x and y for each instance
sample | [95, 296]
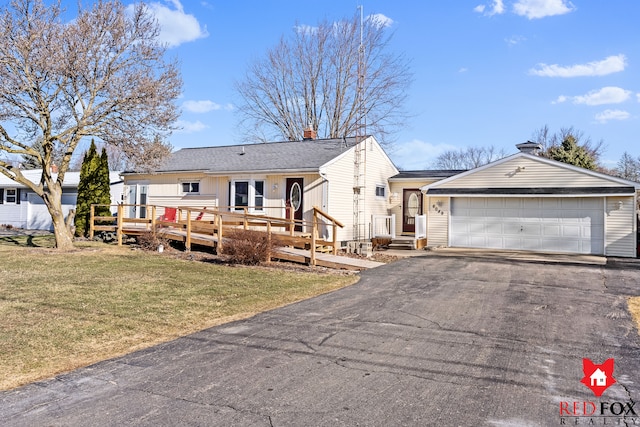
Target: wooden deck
[210, 227]
[292, 254]
[326, 260]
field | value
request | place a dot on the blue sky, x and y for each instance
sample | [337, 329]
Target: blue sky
[486, 72]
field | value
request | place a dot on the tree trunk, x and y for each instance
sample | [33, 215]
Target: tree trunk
[61, 231]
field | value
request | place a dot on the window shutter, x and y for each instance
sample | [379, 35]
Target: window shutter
[18, 196]
[1, 196]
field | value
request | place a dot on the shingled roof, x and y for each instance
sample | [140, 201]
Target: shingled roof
[427, 174]
[306, 155]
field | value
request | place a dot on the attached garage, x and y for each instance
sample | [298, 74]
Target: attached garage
[526, 202]
[551, 224]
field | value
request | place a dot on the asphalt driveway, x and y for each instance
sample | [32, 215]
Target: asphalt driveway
[434, 340]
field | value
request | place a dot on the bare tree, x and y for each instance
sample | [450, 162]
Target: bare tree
[102, 74]
[628, 167]
[551, 141]
[311, 79]
[468, 158]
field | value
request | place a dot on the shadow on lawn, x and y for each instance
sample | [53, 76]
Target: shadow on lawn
[23, 239]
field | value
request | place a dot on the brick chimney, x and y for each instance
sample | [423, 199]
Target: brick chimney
[54, 168]
[309, 134]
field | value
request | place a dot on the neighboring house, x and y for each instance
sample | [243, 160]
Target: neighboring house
[22, 208]
[531, 203]
[266, 178]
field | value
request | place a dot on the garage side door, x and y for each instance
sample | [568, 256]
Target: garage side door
[572, 225]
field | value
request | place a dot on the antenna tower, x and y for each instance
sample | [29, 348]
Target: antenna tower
[360, 153]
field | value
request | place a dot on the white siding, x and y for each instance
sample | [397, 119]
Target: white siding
[340, 177]
[165, 190]
[620, 236]
[527, 172]
[395, 202]
[377, 169]
[438, 221]
[330, 189]
[13, 214]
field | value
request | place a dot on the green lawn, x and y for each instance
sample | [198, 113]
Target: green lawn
[61, 311]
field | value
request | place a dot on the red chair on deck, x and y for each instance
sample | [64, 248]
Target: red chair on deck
[169, 214]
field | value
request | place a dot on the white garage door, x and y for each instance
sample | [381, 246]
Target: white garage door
[574, 225]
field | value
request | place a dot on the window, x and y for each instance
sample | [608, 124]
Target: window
[259, 197]
[241, 198]
[247, 194]
[380, 190]
[11, 195]
[191, 187]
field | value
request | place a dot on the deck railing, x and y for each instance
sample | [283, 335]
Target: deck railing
[384, 226]
[211, 225]
[421, 226]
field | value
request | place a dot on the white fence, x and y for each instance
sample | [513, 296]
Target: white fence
[421, 226]
[384, 226]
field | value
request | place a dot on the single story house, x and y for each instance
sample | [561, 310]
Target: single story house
[346, 178]
[22, 208]
[521, 202]
[527, 202]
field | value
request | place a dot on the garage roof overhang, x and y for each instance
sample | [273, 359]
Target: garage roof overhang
[534, 192]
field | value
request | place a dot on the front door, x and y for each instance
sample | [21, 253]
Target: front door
[294, 199]
[137, 200]
[411, 206]
[132, 199]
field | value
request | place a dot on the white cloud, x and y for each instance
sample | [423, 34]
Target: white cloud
[608, 115]
[496, 8]
[561, 99]
[190, 127]
[176, 26]
[204, 106]
[416, 154]
[609, 65]
[606, 95]
[535, 9]
[514, 40]
[638, 96]
[380, 20]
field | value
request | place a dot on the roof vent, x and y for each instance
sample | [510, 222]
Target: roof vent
[529, 147]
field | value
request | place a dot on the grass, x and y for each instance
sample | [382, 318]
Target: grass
[61, 311]
[633, 304]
